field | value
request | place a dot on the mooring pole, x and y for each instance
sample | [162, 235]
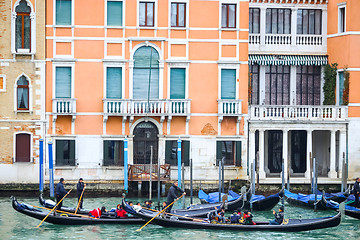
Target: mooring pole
[51, 170]
[282, 180]
[126, 166]
[41, 165]
[288, 174]
[191, 181]
[253, 177]
[315, 183]
[150, 171]
[179, 161]
[219, 163]
[223, 175]
[343, 181]
[183, 181]
[158, 183]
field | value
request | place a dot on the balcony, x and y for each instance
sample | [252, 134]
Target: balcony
[161, 107]
[304, 113]
[64, 106]
[229, 108]
[287, 43]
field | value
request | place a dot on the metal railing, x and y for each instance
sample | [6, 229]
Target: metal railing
[141, 172]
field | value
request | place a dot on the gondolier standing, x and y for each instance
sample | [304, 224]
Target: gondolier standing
[79, 189]
[172, 195]
[356, 191]
[60, 193]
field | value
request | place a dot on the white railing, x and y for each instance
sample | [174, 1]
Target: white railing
[309, 39]
[298, 112]
[278, 39]
[254, 38]
[229, 107]
[64, 105]
[128, 107]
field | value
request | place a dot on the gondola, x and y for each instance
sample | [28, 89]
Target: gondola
[252, 202]
[308, 201]
[291, 225]
[196, 210]
[337, 197]
[349, 210]
[71, 219]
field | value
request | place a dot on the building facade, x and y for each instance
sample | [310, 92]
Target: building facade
[150, 73]
[22, 89]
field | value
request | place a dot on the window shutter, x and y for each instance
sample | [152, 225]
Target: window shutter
[114, 13]
[228, 83]
[186, 152]
[113, 82]
[63, 12]
[341, 87]
[168, 146]
[63, 82]
[238, 154]
[177, 83]
[218, 151]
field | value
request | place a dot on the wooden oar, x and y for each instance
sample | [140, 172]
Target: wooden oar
[69, 213]
[53, 208]
[160, 213]
[171, 214]
[80, 200]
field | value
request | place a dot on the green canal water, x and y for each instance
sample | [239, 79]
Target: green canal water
[14, 225]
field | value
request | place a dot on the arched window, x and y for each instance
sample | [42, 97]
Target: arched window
[146, 73]
[22, 26]
[22, 93]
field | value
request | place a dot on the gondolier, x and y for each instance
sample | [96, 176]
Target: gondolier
[172, 195]
[60, 193]
[356, 191]
[79, 190]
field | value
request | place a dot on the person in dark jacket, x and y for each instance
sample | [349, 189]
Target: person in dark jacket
[79, 189]
[356, 191]
[172, 195]
[279, 217]
[60, 193]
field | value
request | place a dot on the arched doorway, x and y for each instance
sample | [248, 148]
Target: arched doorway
[145, 136]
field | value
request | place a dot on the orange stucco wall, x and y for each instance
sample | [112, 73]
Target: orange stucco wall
[202, 44]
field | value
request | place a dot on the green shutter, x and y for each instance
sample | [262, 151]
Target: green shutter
[63, 12]
[63, 82]
[228, 83]
[168, 146]
[218, 151]
[142, 73]
[185, 152]
[238, 153]
[177, 83]
[114, 82]
[114, 13]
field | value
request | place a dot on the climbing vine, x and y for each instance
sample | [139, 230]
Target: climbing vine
[330, 73]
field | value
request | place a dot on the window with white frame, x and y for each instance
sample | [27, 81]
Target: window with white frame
[309, 21]
[114, 82]
[113, 154]
[63, 82]
[342, 19]
[230, 151]
[114, 13]
[65, 152]
[254, 20]
[146, 14]
[22, 147]
[308, 85]
[177, 83]
[341, 87]
[277, 85]
[63, 15]
[228, 83]
[178, 14]
[278, 21]
[2, 83]
[228, 15]
[23, 26]
[22, 90]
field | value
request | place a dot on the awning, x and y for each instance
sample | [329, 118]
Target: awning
[316, 60]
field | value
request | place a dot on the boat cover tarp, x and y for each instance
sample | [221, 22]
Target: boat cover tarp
[214, 196]
[335, 205]
[302, 197]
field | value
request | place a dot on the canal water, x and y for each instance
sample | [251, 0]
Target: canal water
[14, 225]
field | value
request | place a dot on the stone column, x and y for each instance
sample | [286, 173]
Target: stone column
[332, 173]
[262, 25]
[308, 152]
[261, 154]
[251, 146]
[342, 150]
[285, 152]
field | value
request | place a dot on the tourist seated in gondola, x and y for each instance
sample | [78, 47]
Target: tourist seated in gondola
[137, 207]
[235, 217]
[163, 205]
[248, 218]
[96, 213]
[120, 212]
[221, 216]
[279, 217]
